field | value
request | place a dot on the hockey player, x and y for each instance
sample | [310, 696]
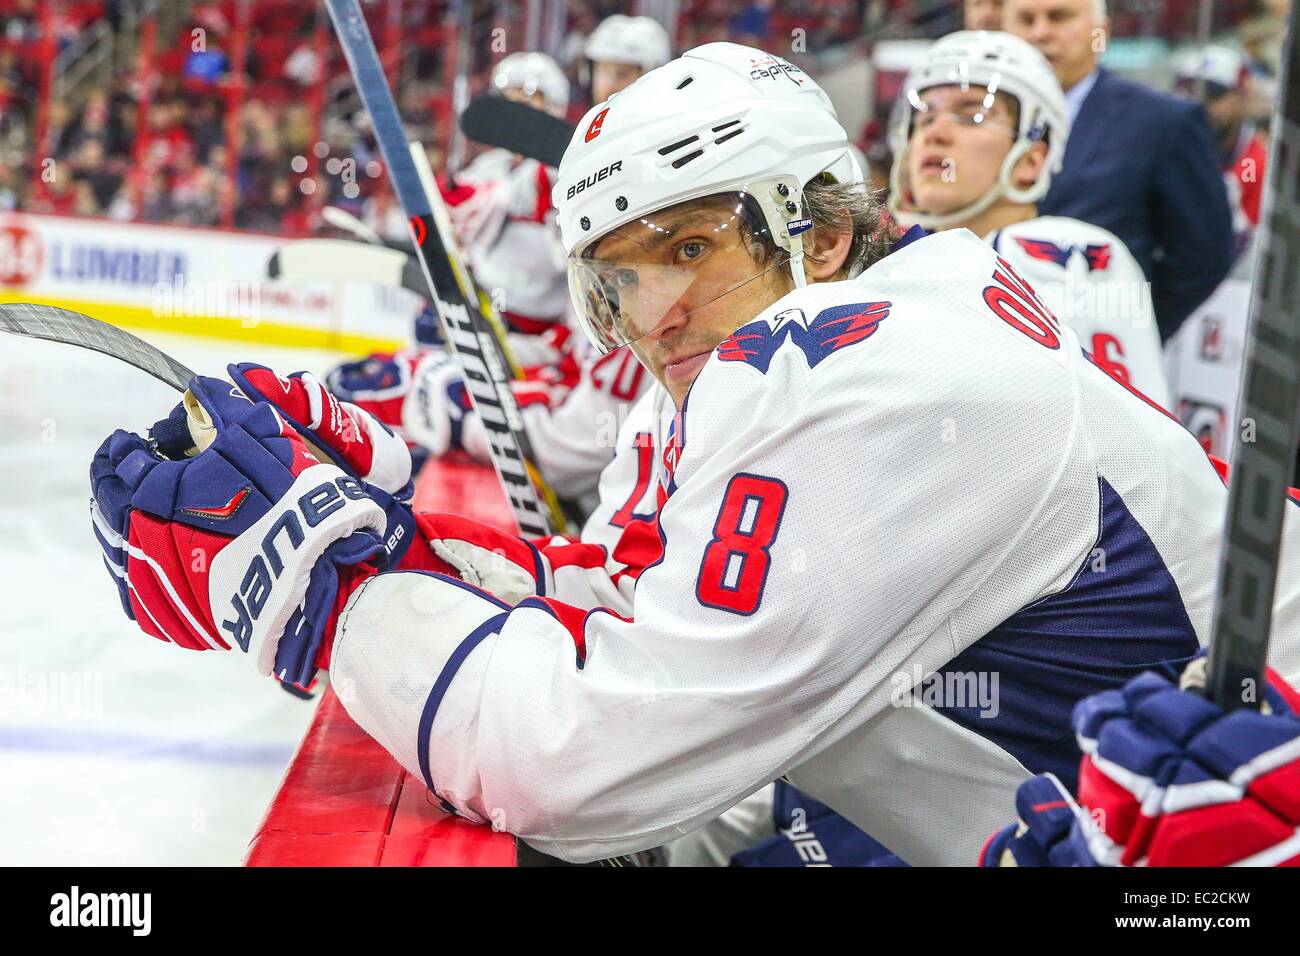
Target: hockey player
[905, 523]
[981, 126]
[501, 210]
[1219, 77]
[621, 49]
[500, 207]
[1203, 359]
[574, 407]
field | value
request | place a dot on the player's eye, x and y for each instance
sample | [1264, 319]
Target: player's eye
[690, 250]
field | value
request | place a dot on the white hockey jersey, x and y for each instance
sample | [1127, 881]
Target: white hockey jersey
[574, 431]
[906, 524]
[1090, 280]
[512, 242]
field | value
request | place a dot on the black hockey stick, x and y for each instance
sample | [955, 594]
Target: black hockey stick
[464, 326]
[1269, 414]
[72, 328]
[518, 127]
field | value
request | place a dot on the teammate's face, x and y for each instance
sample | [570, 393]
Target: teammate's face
[958, 144]
[698, 284]
[1067, 32]
[610, 78]
[982, 15]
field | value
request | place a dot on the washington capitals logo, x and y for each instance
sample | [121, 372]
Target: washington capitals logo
[832, 330]
[1097, 256]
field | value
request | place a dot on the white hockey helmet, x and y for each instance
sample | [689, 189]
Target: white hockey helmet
[640, 41]
[1000, 63]
[1223, 66]
[533, 73]
[721, 119]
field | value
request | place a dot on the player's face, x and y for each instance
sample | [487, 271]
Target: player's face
[693, 280]
[982, 15]
[610, 78]
[1067, 32]
[959, 141]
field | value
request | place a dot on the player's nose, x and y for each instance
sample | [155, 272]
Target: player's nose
[938, 131]
[670, 327]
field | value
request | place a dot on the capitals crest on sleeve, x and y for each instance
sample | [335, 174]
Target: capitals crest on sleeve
[833, 329]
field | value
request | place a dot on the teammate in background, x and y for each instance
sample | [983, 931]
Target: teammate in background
[980, 129]
[1140, 163]
[574, 409]
[1203, 360]
[621, 49]
[1219, 77]
[892, 477]
[500, 208]
[982, 15]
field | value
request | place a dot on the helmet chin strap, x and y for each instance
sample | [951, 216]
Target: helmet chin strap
[796, 269]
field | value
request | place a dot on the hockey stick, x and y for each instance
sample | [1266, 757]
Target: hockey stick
[311, 260]
[442, 219]
[518, 127]
[345, 221]
[1269, 406]
[463, 325]
[72, 328]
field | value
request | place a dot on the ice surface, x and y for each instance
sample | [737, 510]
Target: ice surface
[114, 748]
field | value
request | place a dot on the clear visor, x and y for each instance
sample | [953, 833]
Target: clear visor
[963, 105]
[659, 269]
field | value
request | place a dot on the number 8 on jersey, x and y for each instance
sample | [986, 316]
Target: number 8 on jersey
[734, 569]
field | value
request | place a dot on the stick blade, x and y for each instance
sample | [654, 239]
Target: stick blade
[518, 127]
[327, 260]
[72, 328]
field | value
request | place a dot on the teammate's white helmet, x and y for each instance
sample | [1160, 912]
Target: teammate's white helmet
[533, 73]
[640, 41]
[722, 118]
[1221, 65]
[1001, 63]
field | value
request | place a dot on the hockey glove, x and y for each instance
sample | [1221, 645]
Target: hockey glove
[1168, 779]
[351, 437]
[251, 543]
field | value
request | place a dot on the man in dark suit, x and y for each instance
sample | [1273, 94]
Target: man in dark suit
[1139, 163]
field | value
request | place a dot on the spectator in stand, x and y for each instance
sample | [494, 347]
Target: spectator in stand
[89, 167]
[303, 65]
[92, 124]
[752, 25]
[205, 128]
[12, 180]
[156, 200]
[22, 22]
[59, 132]
[268, 216]
[1139, 163]
[982, 14]
[1219, 77]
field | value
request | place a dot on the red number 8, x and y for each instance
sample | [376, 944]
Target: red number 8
[735, 565]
